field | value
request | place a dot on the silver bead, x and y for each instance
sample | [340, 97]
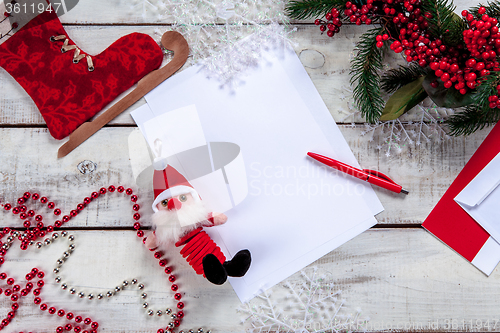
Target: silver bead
[6, 246]
[109, 294]
[125, 283]
[24, 235]
[181, 331]
[100, 296]
[90, 296]
[151, 312]
[64, 233]
[141, 286]
[118, 289]
[66, 254]
[209, 331]
[159, 313]
[81, 294]
[56, 270]
[168, 331]
[60, 262]
[55, 235]
[191, 331]
[134, 281]
[72, 291]
[58, 279]
[171, 325]
[144, 295]
[71, 247]
[200, 330]
[10, 239]
[32, 242]
[15, 233]
[168, 311]
[64, 286]
[71, 238]
[39, 245]
[47, 241]
[174, 316]
[145, 305]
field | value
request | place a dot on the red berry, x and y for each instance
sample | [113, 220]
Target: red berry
[484, 72]
[470, 63]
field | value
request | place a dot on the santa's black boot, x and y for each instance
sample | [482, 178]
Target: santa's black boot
[239, 265]
[213, 269]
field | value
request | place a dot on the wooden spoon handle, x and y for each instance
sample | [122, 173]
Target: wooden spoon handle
[172, 41]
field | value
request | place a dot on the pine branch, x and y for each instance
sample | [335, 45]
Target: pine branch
[492, 9]
[396, 78]
[444, 23]
[365, 77]
[305, 9]
[472, 119]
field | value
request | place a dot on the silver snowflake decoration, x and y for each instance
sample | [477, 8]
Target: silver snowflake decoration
[212, 26]
[310, 304]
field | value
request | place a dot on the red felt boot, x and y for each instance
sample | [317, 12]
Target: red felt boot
[68, 85]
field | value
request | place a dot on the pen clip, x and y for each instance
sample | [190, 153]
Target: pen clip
[379, 174]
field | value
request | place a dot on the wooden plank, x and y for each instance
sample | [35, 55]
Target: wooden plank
[30, 163]
[329, 76]
[327, 61]
[124, 12]
[397, 278]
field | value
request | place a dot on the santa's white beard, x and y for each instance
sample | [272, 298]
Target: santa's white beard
[167, 223]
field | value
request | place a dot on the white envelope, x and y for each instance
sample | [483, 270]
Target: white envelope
[481, 198]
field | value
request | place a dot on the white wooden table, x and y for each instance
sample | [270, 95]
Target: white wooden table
[398, 274]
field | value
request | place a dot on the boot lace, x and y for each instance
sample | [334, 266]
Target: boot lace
[77, 56]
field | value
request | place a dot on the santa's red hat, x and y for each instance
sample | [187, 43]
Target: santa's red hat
[168, 183]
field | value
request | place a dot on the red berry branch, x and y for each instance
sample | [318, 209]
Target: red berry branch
[458, 55]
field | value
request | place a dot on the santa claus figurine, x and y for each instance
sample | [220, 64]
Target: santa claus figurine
[179, 218]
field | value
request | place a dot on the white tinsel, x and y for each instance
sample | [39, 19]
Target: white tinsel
[312, 304]
[214, 28]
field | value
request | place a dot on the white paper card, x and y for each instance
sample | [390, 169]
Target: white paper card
[296, 210]
[179, 130]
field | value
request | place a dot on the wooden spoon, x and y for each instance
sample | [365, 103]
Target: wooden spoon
[170, 40]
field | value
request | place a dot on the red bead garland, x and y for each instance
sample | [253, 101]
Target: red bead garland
[35, 230]
[25, 291]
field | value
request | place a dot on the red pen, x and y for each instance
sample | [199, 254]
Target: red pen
[370, 176]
